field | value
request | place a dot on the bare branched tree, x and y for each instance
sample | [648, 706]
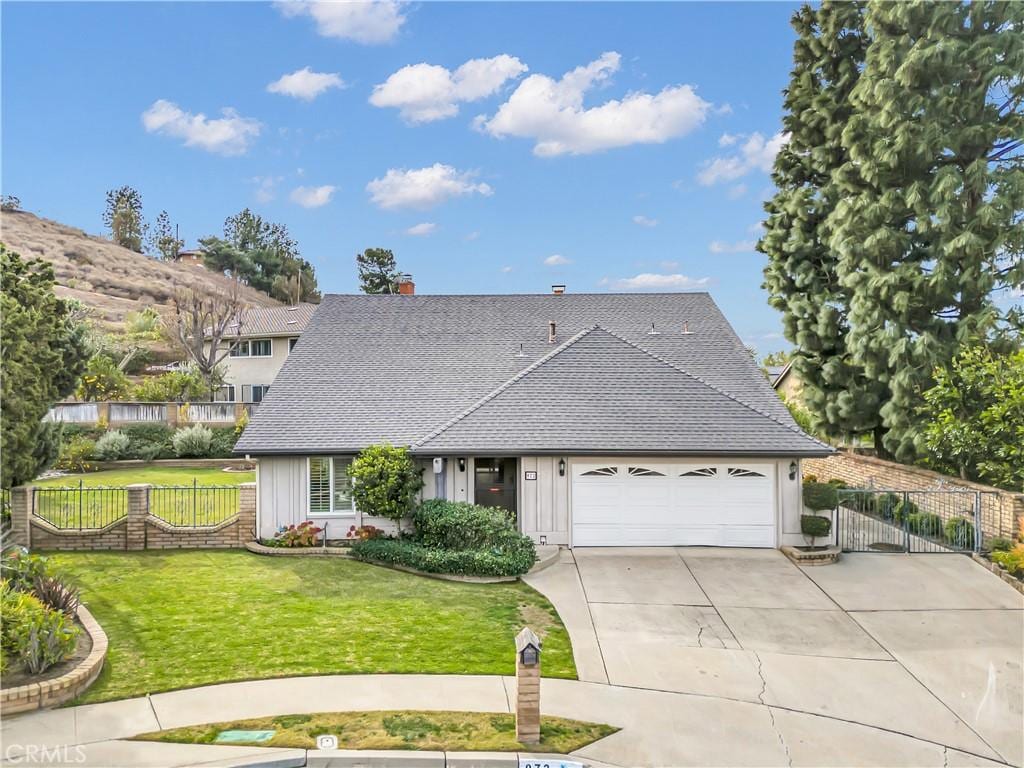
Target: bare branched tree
[204, 321]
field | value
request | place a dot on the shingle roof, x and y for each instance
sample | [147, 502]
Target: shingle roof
[400, 368]
[274, 321]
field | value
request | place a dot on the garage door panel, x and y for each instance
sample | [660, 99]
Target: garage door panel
[639, 502]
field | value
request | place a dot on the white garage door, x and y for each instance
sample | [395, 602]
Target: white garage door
[643, 503]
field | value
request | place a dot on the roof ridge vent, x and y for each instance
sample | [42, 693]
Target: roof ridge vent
[520, 353]
[653, 331]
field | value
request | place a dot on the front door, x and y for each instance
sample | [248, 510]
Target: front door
[495, 482]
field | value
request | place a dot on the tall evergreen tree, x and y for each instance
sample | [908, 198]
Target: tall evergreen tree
[123, 217]
[801, 275]
[927, 228]
[163, 239]
[378, 271]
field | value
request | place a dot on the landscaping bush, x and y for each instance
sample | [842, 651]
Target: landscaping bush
[102, 380]
[904, 510]
[1012, 561]
[820, 496]
[960, 532]
[925, 524]
[1000, 544]
[886, 505]
[34, 634]
[302, 535]
[192, 442]
[19, 570]
[57, 594]
[385, 481]
[467, 562]
[459, 525]
[223, 442]
[815, 527]
[149, 441]
[113, 446]
[76, 454]
[173, 386]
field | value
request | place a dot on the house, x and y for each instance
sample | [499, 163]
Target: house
[191, 258]
[787, 383]
[599, 419]
[259, 345]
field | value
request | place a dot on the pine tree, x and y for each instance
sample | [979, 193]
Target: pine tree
[163, 240]
[123, 217]
[378, 270]
[801, 275]
[927, 228]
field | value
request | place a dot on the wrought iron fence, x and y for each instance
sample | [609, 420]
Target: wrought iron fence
[193, 505]
[79, 508]
[910, 521]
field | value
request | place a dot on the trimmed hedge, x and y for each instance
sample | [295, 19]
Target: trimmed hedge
[815, 526]
[460, 525]
[820, 496]
[466, 562]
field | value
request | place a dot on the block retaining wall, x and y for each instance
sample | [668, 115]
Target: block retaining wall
[1002, 512]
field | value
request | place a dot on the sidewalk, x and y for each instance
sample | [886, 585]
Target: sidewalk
[658, 727]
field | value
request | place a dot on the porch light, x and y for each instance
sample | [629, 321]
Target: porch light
[792, 470]
[462, 465]
[561, 467]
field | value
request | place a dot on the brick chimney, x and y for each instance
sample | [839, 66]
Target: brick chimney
[406, 287]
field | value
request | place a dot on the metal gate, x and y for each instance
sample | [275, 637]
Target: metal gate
[909, 521]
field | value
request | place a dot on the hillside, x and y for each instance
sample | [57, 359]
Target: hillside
[110, 280]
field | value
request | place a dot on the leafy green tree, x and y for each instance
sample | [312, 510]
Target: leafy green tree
[773, 359]
[385, 481]
[44, 352]
[378, 271]
[123, 217]
[173, 386]
[801, 277]
[221, 256]
[927, 227]
[974, 417]
[102, 380]
[163, 238]
[248, 231]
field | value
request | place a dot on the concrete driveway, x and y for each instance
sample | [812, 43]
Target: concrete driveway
[857, 663]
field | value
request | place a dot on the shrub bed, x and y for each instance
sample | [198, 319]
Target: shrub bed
[456, 538]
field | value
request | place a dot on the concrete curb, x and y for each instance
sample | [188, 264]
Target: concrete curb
[346, 758]
[999, 571]
[262, 549]
[57, 690]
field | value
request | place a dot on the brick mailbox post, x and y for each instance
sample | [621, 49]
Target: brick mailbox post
[528, 687]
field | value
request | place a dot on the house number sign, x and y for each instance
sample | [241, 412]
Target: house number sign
[525, 762]
[531, 475]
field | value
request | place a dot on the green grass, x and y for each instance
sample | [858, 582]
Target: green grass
[96, 510]
[181, 619]
[151, 475]
[424, 730]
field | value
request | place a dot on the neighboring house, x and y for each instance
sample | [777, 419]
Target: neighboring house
[191, 258]
[259, 346]
[599, 419]
[787, 383]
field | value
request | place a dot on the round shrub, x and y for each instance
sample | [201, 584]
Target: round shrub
[886, 505]
[820, 496]
[76, 454]
[385, 481]
[960, 532]
[192, 442]
[904, 510]
[113, 446]
[460, 525]
[149, 441]
[924, 524]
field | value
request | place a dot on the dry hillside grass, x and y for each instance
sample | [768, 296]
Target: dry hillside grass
[107, 278]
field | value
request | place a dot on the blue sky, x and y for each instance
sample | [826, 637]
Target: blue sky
[644, 168]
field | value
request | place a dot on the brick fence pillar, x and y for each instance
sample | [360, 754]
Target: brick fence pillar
[528, 687]
[21, 515]
[246, 513]
[171, 414]
[138, 510]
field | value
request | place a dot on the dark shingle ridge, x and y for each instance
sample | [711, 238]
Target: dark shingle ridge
[660, 359]
[491, 395]
[570, 342]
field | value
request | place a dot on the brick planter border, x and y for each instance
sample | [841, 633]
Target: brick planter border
[999, 571]
[52, 693]
[262, 549]
[818, 557]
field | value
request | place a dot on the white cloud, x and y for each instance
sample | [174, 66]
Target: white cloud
[369, 22]
[740, 246]
[228, 135]
[470, 237]
[644, 221]
[426, 92]
[735, 193]
[506, 270]
[424, 187]
[556, 260]
[756, 154]
[552, 113]
[647, 281]
[422, 230]
[312, 197]
[265, 187]
[727, 139]
[305, 84]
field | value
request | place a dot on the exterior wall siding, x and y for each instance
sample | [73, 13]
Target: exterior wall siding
[544, 502]
[240, 371]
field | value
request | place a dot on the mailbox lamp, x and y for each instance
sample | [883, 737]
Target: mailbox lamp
[561, 467]
[792, 470]
[462, 465]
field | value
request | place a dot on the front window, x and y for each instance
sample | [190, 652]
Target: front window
[259, 391]
[252, 348]
[240, 349]
[330, 492]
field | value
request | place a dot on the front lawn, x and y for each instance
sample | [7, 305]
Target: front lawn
[152, 475]
[426, 730]
[181, 619]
